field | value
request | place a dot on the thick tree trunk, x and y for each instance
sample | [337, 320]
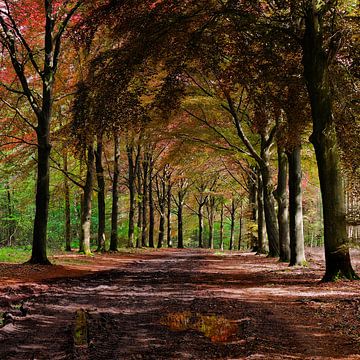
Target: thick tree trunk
[115, 196]
[269, 210]
[38, 255]
[151, 205]
[283, 210]
[316, 61]
[87, 203]
[101, 194]
[297, 253]
[168, 215]
[260, 217]
[67, 207]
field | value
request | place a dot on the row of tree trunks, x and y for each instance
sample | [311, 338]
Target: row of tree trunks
[164, 196]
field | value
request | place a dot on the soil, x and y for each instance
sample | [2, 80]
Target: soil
[177, 304]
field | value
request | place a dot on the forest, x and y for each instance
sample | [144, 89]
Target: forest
[197, 136]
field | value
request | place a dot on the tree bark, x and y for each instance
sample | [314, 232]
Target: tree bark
[168, 214]
[232, 225]
[240, 226]
[222, 227]
[11, 222]
[180, 206]
[115, 196]
[145, 226]
[283, 209]
[211, 216]
[261, 220]
[253, 192]
[139, 208]
[316, 61]
[132, 172]
[87, 203]
[201, 224]
[151, 204]
[297, 250]
[269, 206]
[160, 182]
[101, 194]
[67, 207]
[39, 253]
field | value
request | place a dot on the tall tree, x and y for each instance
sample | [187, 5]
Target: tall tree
[319, 52]
[27, 64]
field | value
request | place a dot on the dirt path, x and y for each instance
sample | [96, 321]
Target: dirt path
[185, 305]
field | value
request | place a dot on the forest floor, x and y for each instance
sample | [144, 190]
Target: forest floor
[172, 304]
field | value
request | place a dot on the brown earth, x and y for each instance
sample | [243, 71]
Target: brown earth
[172, 304]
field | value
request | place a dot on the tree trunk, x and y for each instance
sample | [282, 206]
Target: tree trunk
[101, 194]
[38, 255]
[283, 210]
[115, 196]
[161, 196]
[201, 225]
[168, 215]
[87, 203]
[139, 209]
[180, 223]
[240, 226]
[297, 253]
[145, 227]
[11, 222]
[253, 192]
[269, 209]
[151, 204]
[232, 225]
[161, 230]
[222, 227]
[316, 62]
[132, 172]
[211, 216]
[67, 207]
[261, 220]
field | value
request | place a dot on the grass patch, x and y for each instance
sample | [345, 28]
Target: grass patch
[15, 254]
